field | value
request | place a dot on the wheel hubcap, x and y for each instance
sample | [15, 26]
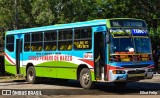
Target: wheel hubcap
[30, 75]
[85, 78]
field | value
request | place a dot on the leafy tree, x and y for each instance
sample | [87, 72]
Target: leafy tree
[7, 14]
[42, 13]
[155, 37]
[144, 9]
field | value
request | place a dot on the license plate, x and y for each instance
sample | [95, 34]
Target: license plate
[136, 75]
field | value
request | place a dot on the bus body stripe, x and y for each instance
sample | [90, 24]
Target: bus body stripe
[91, 63]
[9, 59]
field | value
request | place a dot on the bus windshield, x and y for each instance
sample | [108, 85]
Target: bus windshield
[122, 45]
[129, 43]
[142, 45]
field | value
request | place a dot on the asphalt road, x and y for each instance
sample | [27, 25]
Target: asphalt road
[66, 88]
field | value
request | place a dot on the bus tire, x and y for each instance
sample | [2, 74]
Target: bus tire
[85, 78]
[31, 75]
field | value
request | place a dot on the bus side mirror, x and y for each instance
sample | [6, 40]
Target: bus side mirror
[107, 39]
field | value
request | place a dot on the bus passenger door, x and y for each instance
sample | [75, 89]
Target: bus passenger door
[99, 55]
[18, 52]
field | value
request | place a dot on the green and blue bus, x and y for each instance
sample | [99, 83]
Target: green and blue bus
[114, 50]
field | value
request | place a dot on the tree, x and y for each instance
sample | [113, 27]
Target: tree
[144, 9]
[42, 12]
[7, 14]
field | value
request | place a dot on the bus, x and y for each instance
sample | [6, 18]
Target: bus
[116, 50]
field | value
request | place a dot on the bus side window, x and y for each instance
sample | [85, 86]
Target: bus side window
[32, 48]
[27, 42]
[50, 41]
[39, 48]
[26, 47]
[54, 47]
[83, 38]
[37, 41]
[10, 43]
[65, 40]
[47, 48]
[62, 47]
[70, 47]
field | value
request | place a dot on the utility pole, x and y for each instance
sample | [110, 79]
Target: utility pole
[15, 21]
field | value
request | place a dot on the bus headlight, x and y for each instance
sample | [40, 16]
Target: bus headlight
[118, 72]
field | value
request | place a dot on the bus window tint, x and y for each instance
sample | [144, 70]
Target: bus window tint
[10, 43]
[50, 41]
[27, 42]
[65, 40]
[36, 44]
[121, 45]
[82, 38]
[142, 45]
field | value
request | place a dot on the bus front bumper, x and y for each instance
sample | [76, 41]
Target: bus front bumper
[130, 75]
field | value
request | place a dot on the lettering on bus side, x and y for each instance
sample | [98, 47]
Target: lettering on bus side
[82, 44]
[88, 55]
[53, 57]
[83, 38]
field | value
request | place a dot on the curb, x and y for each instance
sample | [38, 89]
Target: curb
[9, 79]
[5, 81]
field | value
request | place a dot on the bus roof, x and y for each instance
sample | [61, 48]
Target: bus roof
[60, 26]
[65, 26]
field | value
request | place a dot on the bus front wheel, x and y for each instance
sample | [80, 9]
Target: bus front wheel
[31, 75]
[85, 78]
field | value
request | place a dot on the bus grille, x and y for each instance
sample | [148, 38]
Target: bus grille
[136, 72]
[135, 78]
[135, 66]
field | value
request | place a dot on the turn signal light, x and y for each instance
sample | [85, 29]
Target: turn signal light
[118, 72]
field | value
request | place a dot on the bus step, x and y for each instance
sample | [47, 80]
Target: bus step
[19, 76]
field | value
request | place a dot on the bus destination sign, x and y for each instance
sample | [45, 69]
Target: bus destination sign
[128, 32]
[127, 23]
[138, 32]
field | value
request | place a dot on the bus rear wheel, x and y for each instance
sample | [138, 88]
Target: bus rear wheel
[31, 75]
[85, 78]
